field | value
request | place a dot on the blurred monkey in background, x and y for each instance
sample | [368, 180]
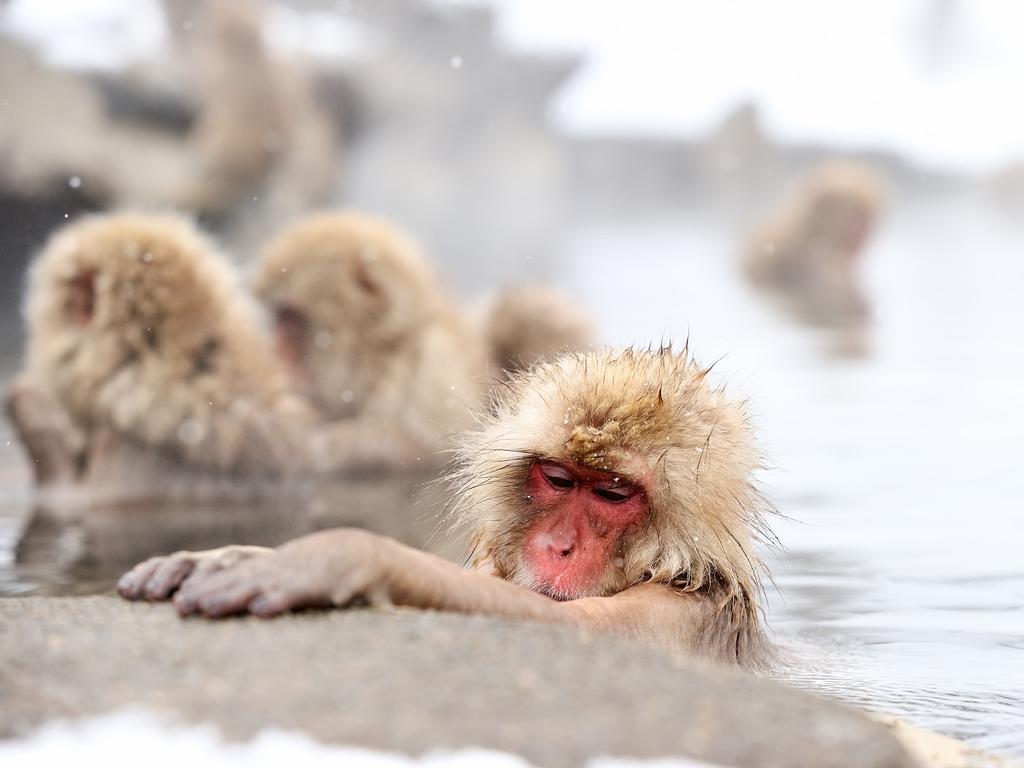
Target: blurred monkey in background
[265, 148]
[139, 340]
[807, 247]
[529, 323]
[368, 334]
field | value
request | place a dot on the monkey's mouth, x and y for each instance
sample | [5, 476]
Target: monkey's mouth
[524, 576]
[554, 594]
[573, 589]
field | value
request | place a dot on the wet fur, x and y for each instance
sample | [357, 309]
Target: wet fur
[653, 416]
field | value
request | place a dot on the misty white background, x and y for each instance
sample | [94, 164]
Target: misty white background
[938, 81]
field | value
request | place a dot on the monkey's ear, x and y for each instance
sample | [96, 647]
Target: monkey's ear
[366, 279]
[81, 302]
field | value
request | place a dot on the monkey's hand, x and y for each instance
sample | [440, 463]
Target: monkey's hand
[345, 567]
[53, 444]
[330, 568]
[159, 577]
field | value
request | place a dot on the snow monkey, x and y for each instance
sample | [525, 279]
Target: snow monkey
[530, 323]
[806, 248]
[611, 491]
[366, 330]
[138, 339]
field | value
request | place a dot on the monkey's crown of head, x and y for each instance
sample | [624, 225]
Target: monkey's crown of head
[594, 447]
[614, 407]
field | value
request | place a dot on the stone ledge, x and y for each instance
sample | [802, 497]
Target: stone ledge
[412, 682]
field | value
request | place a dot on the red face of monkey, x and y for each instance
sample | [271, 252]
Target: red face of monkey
[582, 515]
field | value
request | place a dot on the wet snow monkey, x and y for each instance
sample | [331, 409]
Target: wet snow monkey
[806, 247]
[366, 330]
[607, 490]
[139, 343]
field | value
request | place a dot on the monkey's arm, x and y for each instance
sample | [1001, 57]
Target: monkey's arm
[53, 444]
[346, 566]
[195, 422]
[192, 420]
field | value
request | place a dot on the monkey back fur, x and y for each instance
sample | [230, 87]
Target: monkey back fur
[653, 417]
[169, 355]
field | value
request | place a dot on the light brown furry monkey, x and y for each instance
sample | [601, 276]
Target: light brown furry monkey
[138, 340]
[367, 331]
[530, 323]
[259, 126]
[611, 491]
[806, 247]
[242, 121]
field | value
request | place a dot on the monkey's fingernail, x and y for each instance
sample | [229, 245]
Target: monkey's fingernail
[185, 605]
[125, 585]
[259, 605]
[210, 606]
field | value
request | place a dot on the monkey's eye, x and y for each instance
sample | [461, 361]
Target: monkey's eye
[557, 476]
[615, 494]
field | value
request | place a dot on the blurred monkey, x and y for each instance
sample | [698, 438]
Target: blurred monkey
[366, 330]
[806, 248]
[530, 323]
[260, 127]
[139, 339]
[242, 120]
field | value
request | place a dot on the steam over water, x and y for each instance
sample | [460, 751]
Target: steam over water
[898, 473]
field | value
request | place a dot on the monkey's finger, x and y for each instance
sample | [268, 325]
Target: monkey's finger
[131, 584]
[185, 603]
[197, 584]
[226, 592]
[272, 603]
[216, 602]
[206, 581]
[229, 601]
[168, 577]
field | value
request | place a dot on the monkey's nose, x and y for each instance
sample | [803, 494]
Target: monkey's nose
[558, 546]
[563, 550]
[562, 547]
